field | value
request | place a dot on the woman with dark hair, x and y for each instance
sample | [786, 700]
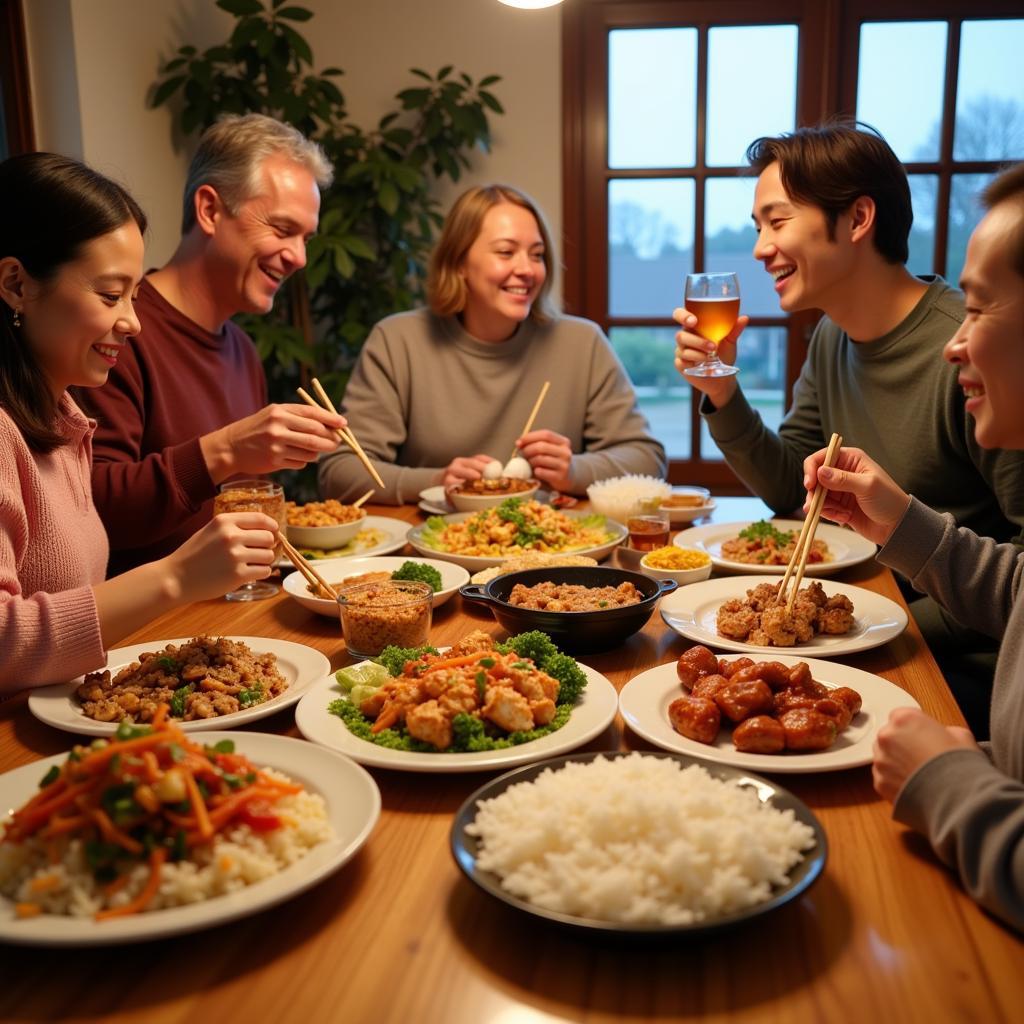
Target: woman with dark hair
[70, 260]
[480, 356]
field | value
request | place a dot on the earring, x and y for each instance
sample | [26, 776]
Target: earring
[17, 318]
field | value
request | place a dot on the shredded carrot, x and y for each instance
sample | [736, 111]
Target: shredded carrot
[113, 834]
[44, 883]
[58, 826]
[116, 885]
[465, 659]
[25, 823]
[160, 716]
[24, 910]
[149, 890]
[98, 760]
[152, 765]
[198, 807]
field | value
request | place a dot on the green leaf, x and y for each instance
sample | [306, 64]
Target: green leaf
[295, 14]
[413, 99]
[358, 247]
[173, 65]
[299, 45]
[421, 73]
[489, 80]
[240, 8]
[342, 261]
[444, 72]
[167, 89]
[387, 197]
[332, 72]
[492, 102]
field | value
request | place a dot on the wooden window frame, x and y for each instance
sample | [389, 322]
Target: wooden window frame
[14, 78]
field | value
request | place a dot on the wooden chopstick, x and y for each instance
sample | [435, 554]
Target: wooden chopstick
[307, 570]
[802, 550]
[358, 503]
[533, 415]
[344, 434]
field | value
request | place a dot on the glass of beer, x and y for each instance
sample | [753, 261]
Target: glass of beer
[253, 496]
[648, 524]
[714, 299]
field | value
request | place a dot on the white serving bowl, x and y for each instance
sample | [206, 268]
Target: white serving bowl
[324, 538]
[681, 576]
[335, 570]
[476, 502]
[678, 515]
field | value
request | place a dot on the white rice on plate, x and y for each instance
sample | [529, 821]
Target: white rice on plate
[236, 858]
[637, 840]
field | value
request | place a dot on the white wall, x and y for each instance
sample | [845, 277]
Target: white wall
[93, 63]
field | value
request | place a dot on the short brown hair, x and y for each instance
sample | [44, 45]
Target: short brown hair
[831, 165]
[446, 290]
[230, 154]
[1008, 187]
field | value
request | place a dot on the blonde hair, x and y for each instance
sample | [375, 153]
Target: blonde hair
[446, 288]
[230, 154]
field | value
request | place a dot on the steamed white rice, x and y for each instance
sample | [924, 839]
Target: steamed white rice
[237, 857]
[618, 495]
[638, 840]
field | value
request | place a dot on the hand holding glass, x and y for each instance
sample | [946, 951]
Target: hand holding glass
[253, 496]
[714, 299]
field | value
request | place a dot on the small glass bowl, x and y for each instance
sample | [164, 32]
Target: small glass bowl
[376, 615]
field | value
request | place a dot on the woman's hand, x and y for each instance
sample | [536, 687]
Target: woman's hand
[232, 549]
[550, 455]
[860, 493]
[907, 741]
[465, 467]
[691, 349]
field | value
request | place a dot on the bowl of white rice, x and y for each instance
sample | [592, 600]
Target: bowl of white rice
[638, 843]
[617, 496]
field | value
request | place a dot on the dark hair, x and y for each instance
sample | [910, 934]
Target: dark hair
[52, 207]
[1008, 187]
[833, 164]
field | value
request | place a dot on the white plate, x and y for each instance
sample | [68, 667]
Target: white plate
[848, 548]
[678, 516]
[353, 807]
[644, 702]
[394, 529]
[434, 503]
[692, 612]
[475, 564]
[299, 664]
[334, 570]
[589, 718]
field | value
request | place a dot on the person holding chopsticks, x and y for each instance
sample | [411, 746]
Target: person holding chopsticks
[185, 408]
[70, 263]
[967, 800]
[438, 393]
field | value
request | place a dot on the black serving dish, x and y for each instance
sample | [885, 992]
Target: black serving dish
[572, 631]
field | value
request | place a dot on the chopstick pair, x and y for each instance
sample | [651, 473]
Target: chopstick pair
[803, 545]
[533, 415]
[312, 576]
[344, 434]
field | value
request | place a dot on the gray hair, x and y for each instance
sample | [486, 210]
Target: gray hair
[230, 154]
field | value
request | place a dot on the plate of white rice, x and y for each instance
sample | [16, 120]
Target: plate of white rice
[638, 843]
[242, 873]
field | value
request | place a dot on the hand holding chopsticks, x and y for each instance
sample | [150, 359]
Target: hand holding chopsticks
[313, 578]
[533, 415]
[345, 435]
[802, 550]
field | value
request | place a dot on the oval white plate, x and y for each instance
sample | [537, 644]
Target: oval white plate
[334, 570]
[394, 540]
[692, 612]
[848, 548]
[353, 807]
[589, 718]
[299, 664]
[644, 702]
[475, 564]
[434, 501]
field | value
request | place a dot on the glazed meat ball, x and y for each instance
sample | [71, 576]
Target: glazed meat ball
[761, 734]
[730, 668]
[696, 718]
[786, 700]
[774, 673]
[692, 664]
[807, 729]
[851, 698]
[708, 686]
[744, 699]
[736, 619]
[836, 710]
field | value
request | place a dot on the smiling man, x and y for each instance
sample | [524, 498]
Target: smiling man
[185, 406]
[833, 214]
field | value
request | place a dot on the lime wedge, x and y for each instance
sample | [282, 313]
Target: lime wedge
[366, 672]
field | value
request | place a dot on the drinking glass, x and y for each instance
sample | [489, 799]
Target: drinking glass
[714, 299]
[648, 524]
[253, 496]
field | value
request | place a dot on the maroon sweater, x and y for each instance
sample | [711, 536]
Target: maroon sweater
[173, 383]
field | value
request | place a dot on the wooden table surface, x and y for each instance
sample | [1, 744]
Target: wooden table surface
[398, 934]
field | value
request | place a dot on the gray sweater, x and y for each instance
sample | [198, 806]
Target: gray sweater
[969, 804]
[896, 398]
[424, 391]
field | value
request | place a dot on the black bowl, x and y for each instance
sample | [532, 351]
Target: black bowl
[572, 631]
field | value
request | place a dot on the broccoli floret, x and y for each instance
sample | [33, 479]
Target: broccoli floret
[394, 658]
[571, 679]
[419, 572]
[535, 645]
[468, 734]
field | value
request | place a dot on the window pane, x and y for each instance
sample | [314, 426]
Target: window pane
[652, 97]
[990, 92]
[743, 106]
[924, 193]
[761, 357]
[964, 213]
[900, 84]
[650, 245]
[663, 395]
[729, 241]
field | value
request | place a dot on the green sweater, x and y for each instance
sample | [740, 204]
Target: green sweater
[424, 391]
[896, 398]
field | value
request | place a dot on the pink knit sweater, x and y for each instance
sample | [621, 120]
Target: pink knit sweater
[52, 548]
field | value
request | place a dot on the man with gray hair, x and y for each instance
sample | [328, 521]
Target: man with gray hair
[185, 406]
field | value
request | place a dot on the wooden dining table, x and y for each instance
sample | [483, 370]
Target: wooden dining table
[399, 934]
